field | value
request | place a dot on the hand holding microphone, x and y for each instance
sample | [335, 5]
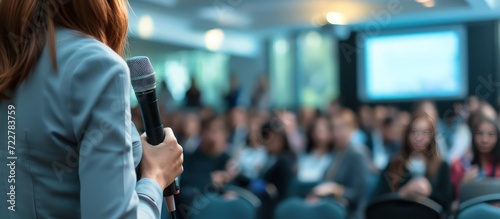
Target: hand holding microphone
[163, 162]
[143, 78]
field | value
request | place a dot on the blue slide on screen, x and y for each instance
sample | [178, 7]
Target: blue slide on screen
[413, 66]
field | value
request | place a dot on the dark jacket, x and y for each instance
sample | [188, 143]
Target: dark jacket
[350, 169]
[442, 189]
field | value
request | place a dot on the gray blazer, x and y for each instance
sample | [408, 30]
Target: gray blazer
[74, 139]
[350, 169]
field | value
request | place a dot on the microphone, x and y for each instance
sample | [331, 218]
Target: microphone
[417, 167]
[143, 80]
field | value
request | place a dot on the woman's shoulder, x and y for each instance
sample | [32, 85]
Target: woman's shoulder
[77, 49]
[355, 155]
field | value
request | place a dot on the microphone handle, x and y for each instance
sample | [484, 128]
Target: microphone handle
[148, 104]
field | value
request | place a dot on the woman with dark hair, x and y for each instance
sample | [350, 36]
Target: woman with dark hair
[313, 165]
[418, 169]
[346, 175]
[485, 160]
[331, 172]
[67, 89]
[206, 170]
[250, 156]
[272, 183]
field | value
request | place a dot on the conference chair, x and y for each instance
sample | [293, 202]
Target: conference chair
[393, 206]
[218, 207]
[495, 197]
[242, 205]
[482, 211]
[476, 189]
[298, 208]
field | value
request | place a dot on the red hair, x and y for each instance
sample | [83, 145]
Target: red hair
[27, 26]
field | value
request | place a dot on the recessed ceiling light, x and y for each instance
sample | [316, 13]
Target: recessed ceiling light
[146, 26]
[429, 4]
[335, 18]
[319, 21]
[214, 39]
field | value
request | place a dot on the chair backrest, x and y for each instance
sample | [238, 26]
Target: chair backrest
[298, 188]
[393, 206]
[479, 188]
[483, 211]
[478, 200]
[218, 207]
[297, 208]
[244, 194]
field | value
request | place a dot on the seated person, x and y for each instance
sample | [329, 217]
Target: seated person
[190, 136]
[205, 169]
[390, 145]
[313, 164]
[344, 179]
[418, 170]
[251, 156]
[485, 160]
[272, 182]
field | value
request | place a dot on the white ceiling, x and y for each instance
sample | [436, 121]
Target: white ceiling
[246, 22]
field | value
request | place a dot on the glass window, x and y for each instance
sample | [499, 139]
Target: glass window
[281, 73]
[209, 70]
[318, 69]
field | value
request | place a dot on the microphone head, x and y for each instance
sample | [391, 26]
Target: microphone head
[142, 74]
[417, 166]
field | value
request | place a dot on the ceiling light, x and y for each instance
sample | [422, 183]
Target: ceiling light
[319, 21]
[429, 4]
[335, 18]
[146, 26]
[214, 39]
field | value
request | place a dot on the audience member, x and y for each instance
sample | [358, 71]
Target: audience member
[233, 96]
[190, 138]
[313, 164]
[294, 134]
[357, 136]
[485, 158]
[390, 144]
[193, 96]
[272, 184]
[251, 156]
[306, 118]
[418, 170]
[260, 97]
[335, 107]
[366, 123]
[205, 170]
[429, 107]
[238, 127]
[339, 181]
